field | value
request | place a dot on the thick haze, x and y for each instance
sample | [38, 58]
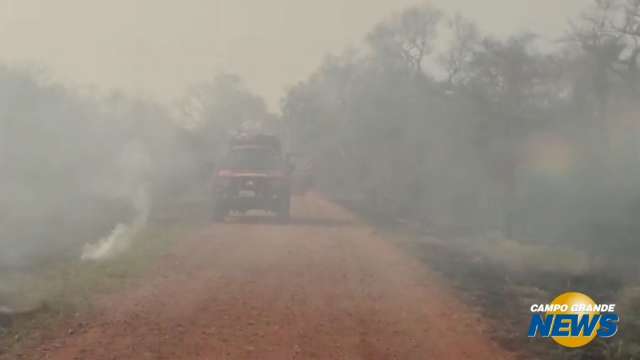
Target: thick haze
[155, 48]
[498, 139]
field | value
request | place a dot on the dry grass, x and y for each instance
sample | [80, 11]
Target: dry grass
[47, 296]
[502, 278]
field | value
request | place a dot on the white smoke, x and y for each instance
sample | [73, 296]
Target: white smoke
[119, 240]
[134, 166]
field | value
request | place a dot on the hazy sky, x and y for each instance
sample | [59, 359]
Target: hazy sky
[155, 48]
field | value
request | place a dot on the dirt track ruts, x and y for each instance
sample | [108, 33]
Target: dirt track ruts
[325, 286]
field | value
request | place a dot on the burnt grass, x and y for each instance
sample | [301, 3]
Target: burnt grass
[503, 296]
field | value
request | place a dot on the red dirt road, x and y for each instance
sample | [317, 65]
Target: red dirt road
[324, 287]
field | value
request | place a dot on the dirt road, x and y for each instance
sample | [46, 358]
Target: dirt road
[324, 287]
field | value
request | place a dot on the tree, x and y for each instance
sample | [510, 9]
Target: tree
[464, 44]
[629, 28]
[211, 110]
[407, 38]
[609, 35]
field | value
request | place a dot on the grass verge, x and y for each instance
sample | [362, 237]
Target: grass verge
[502, 279]
[48, 296]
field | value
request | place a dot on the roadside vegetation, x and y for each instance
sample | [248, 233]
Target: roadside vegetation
[95, 188]
[534, 139]
[49, 297]
[520, 153]
[501, 279]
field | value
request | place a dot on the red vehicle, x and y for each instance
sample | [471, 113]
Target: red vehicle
[254, 175]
